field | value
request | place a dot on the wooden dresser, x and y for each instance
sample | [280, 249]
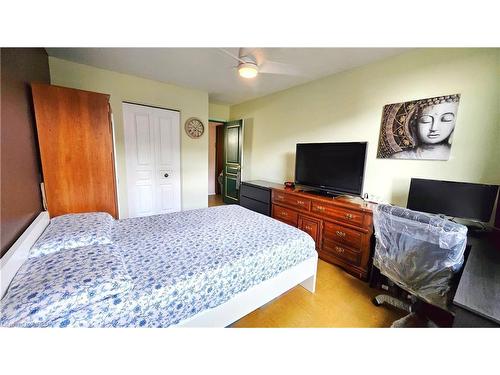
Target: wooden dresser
[341, 227]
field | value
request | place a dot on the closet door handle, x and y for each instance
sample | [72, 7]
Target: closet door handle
[165, 175]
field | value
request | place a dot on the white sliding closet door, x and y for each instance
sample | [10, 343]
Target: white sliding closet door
[152, 148]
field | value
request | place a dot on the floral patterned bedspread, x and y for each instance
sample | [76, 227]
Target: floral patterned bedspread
[183, 263]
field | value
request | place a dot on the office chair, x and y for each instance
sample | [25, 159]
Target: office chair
[418, 252]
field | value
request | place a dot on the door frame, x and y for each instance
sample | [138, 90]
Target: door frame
[179, 161]
[119, 207]
[217, 147]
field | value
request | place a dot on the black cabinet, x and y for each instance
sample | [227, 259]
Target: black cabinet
[256, 196]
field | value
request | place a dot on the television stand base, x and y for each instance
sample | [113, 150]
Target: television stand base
[322, 193]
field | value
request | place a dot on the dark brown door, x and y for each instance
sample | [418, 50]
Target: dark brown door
[76, 149]
[233, 149]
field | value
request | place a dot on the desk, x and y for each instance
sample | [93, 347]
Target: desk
[477, 299]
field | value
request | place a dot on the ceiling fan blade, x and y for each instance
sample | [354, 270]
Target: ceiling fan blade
[274, 67]
[232, 55]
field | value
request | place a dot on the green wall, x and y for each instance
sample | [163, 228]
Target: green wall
[348, 107]
[218, 112]
[123, 87]
[342, 107]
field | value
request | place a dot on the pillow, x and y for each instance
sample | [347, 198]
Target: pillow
[74, 230]
[55, 285]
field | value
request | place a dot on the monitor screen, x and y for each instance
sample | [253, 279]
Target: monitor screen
[335, 167]
[455, 199]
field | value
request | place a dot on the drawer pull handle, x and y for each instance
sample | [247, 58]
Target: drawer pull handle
[338, 249]
[349, 216]
[280, 197]
[283, 213]
[321, 208]
[308, 227]
[340, 233]
[301, 203]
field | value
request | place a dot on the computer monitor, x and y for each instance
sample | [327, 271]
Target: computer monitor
[455, 199]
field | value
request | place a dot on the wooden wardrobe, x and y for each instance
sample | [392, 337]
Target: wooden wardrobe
[76, 149]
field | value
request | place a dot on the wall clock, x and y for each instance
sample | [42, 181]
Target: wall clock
[194, 127]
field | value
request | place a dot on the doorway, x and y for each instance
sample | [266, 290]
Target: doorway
[152, 152]
[215, 162]
[232, 163]
[225, 147]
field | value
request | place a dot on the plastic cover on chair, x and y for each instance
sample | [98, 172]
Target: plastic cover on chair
[420, 252]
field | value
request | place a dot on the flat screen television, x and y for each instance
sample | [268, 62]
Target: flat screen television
[456, 199]
[333, 168]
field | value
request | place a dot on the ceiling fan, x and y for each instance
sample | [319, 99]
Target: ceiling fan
[251, 61]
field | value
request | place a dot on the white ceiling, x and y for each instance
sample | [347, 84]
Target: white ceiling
[211, 70]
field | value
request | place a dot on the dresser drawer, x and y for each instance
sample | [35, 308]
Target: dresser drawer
[339, 233]
[253, 192]
[312, 227]
[291, 200]
[285, 215]
[348, 216]
[341, 251]
[257, 206]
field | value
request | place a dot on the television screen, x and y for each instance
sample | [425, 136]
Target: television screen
[332, 167]
[455, 199]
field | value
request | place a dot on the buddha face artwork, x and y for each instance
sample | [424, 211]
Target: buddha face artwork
[419, 129]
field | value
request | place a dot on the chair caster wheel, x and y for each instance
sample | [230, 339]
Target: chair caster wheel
[376, 302]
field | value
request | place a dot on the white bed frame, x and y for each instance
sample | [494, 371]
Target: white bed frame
[303, 274]
[18, 253]
[244, 303]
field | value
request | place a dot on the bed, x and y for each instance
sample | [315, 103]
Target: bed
[205, 267]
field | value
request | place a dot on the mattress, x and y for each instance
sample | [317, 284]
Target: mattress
[183, 263]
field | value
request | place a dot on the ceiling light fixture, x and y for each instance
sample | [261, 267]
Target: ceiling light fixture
[248, 70]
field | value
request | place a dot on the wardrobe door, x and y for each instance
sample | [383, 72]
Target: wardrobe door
[76, 149]
[152, 152]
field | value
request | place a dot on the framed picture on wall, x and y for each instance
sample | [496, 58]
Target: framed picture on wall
[418, 129]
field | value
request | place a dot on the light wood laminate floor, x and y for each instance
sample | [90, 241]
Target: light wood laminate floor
[340, 300]
[215, 200]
